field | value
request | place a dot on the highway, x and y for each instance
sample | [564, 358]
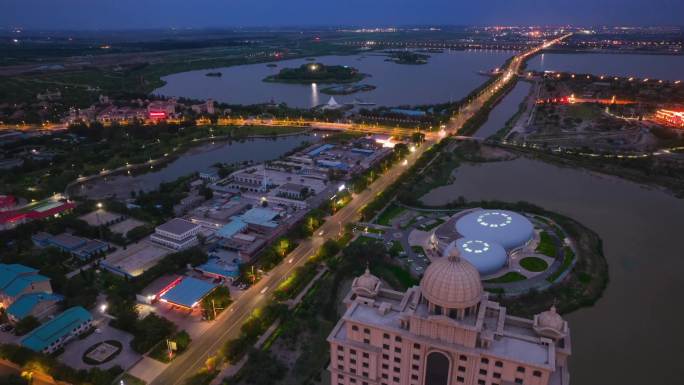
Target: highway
[227, 325]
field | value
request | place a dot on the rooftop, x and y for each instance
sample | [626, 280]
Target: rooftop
[177, 226]
[260, 216]
[67, 241]
[233, 227]
[25, 304]
[58, 327]
[9, 272]
[188, 292]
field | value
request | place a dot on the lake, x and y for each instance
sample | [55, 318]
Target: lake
[634, 334]
[195, 160]
[665, 67]
[448, 76]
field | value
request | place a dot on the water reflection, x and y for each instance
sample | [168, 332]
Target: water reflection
[637, 323]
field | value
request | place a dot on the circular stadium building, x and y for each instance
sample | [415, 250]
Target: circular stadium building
[487, 257]
[508, 229]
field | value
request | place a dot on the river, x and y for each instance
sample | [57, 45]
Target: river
[504, 110]
[665, 67]
[448, 76]
[634, 334]
[195, 160]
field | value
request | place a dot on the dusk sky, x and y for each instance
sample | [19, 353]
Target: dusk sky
[120, 14]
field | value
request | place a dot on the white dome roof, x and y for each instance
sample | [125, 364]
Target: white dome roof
[487, 257]
[452, 283]
[510, 230]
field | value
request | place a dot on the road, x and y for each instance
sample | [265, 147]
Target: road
[227, 325]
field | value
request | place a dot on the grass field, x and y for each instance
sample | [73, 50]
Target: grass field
[509, 277]
[546, 245]
[388, 214]
[534, 264]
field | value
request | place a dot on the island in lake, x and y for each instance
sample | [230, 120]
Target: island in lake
[347, 89]
[407, 57]
[317, 73]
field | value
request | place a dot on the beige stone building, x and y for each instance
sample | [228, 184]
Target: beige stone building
[444, 332]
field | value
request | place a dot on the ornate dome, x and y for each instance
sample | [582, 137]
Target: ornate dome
[452, 282]
[549, 323]
[551, 319]
[366, 285]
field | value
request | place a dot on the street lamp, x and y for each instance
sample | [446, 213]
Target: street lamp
[99, 205]
[103, 308]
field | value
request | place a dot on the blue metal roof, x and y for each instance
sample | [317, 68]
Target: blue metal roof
[232, 228]
[321, 149]
[260, 216]
[9, 273]
[188, 292]
[25, 304]
[55, 329]
[408, 112]
[22, 282]
[221, 269]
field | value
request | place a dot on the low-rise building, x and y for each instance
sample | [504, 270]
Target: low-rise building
[187, 292]
[38, 305]
[17, 280]
[55, 333]
[293, 191]
[178, 234]
[210, 175]
[82, 248]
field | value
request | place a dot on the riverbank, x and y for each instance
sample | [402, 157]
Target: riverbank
[188, 148]
[643, 170]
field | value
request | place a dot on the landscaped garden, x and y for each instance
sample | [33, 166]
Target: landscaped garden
[511, 276]
[534, 264]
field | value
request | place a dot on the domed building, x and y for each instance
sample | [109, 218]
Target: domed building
[446, 331]
[507, 228]
[487, 257]
[451, 286]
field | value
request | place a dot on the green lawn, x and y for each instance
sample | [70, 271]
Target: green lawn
[534, 264]
[509, 277]
[546, 245]
[569, 255]
[418, 250]
[391, 212]
[396, 276]
[397, 249]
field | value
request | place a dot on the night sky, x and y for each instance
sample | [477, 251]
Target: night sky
[124, 14]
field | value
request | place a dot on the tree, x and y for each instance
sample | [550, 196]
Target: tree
[26, 324]
[218, 300]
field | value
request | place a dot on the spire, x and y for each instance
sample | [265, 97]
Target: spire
[454, 255]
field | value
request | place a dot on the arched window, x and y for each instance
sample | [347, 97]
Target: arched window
[437, 369]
